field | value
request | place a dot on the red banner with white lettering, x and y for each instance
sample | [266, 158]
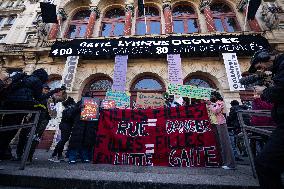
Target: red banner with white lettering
[179, 137]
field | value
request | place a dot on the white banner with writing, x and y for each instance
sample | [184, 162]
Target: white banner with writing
[120, 71]
[233, 71]
[69, 72]
[174, 68]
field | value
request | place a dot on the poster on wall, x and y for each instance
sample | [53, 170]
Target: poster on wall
[233, 71]
[122, 99]
[174, 68]
[69, 72]
[176, 137]
[149, 100]
[120, 70]
[90, 110]
[189, 91]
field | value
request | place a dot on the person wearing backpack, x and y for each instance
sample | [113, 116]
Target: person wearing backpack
[22, 94]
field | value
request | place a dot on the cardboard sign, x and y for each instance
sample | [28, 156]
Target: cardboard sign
[149, 100]
[122, 99]
[176, 137]
[90, 110]
[174, 68]
[108, 104]
[189, 91]
[233, 71]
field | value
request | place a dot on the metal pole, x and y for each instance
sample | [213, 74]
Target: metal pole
[29, 142]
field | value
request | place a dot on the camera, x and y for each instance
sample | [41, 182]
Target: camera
[260, 78]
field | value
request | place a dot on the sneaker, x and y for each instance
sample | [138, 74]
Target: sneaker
[238, 159]
[227, 168]
[54, 159]
[86, 161]
[72, 162]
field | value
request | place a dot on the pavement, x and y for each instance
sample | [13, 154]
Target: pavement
[42, 174]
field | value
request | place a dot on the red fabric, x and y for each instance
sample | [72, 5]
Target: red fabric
[258, 104]
[180, 136]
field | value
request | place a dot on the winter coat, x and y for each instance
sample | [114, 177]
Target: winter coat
[275, 93]
[67, 119]
[258, 104]
[83, 132]
[232, 119]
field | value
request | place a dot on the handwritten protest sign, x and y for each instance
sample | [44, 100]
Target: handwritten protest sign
[189, 91]
[149, 100]
[90, 110]
[108, 104]
[176, 137]
[122, 99]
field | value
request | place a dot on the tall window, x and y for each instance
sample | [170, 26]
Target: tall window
[224, 18]
[113, 23]
[185, 19]
[199, 81]
[153, 21]
[146, 84]
[10, 21]
[78, 24]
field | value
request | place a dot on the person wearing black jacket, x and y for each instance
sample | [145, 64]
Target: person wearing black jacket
[270, 162]
[234, 125]
[65, 127]
[42, 123]
[22, 95]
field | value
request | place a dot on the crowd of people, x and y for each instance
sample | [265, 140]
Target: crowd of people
[30, 92]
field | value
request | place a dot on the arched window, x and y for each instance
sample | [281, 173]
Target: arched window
[185, 19]
[153, 21]
[199, 81]
[146, 84]
[224, 18]
[113, 23]
[78, 24]
[98, 86]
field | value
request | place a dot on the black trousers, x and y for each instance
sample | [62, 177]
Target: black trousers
[65, 135]
[270, 162]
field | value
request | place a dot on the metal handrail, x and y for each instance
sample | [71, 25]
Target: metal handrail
[33, 125]
[261, 130]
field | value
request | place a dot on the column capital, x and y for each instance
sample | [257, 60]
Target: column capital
[95, 9]
[167, 4]
[61, 13]
[241, 5]
[129, 7]
[203, 4]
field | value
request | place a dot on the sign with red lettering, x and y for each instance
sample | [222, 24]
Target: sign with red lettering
[90, 110]
[177, 137]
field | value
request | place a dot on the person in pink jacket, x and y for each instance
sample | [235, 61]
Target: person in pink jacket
[216, 106]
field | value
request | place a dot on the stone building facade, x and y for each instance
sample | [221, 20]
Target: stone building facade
[26, 42]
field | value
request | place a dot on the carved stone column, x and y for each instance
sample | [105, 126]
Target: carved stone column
[167, 7]
[55, 27]
[30, 59]
[92, 20]
[129, 14]
[205, 9]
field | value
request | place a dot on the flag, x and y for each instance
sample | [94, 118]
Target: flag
[252, 8]
[140, 7]
[48, 13]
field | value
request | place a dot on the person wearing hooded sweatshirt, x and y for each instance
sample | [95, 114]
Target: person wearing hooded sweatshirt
[23, 95]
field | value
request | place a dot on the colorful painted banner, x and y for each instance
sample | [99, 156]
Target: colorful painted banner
[122, 99]
[90, 110]
[108, 104]
[69, 72]
[177, 137]
[233, 71]
[149, 100]
[120, 70]
[174, 68]
[189, 91]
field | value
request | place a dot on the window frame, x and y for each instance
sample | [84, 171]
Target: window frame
[185, 18]
[113, 22]
[9, 20]
[149, 19]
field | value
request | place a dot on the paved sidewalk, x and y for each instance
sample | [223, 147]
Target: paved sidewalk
[44, 174]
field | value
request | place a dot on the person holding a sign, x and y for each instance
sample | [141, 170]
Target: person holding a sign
[216, 106]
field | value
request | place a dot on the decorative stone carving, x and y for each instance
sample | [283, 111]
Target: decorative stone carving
[270, 15]
[203, 4]
[129, 7]
[96, 10]
[42, 32]
[240, 5]
[61, 12]
[167, 5]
